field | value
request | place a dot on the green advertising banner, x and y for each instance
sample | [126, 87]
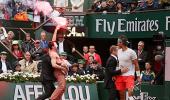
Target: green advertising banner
[80, 91]
[135, 25]
[30, 91]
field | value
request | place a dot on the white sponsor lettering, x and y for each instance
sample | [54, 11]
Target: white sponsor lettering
[124, 25]
[31, 92]
[19, 94]
[167, 22]
[142, 96]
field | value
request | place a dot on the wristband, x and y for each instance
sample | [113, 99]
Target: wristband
[138, 73]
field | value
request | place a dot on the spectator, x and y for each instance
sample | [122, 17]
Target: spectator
[63, 55]
[1, 14]
[85, 50]
[27, 64]
[75, 70]
[111, 5]
[148, 75]
[158, 64]
[63, 44]
[18, 8]
[96, 68]
[27, 45]
[119, 7]
[4, 14]
[159, 69]
[82, 66]
[17, 67]
[4, 64]
[16, 50]
[37, 51]
[91, 59]
[96, 5]
[8, 40]
[92, 54]
[3, 33]
[142, 55]
[43, 41]
[150, 5]
[164, 4]
[159, 50]
[133, 6]
[103, 8]
[77, 5]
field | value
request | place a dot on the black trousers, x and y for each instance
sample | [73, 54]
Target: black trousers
[113, 94]
[48, 90]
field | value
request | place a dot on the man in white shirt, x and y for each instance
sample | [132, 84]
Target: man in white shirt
[4, 65]
[64, 45]
[77, 5]
[127, 58]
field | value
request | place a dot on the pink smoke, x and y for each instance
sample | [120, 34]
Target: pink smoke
[44, 7]
[61, 22]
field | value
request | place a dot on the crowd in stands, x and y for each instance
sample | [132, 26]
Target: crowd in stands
[121, 6]
[13, 9]
[30, 52]
[9, 9]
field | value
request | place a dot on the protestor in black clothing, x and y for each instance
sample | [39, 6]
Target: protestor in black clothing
[47, 77]
[110, 72]
[27, 45]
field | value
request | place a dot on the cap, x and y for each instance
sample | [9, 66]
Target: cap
[17, 64]
[4, 52]
[14, 42]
